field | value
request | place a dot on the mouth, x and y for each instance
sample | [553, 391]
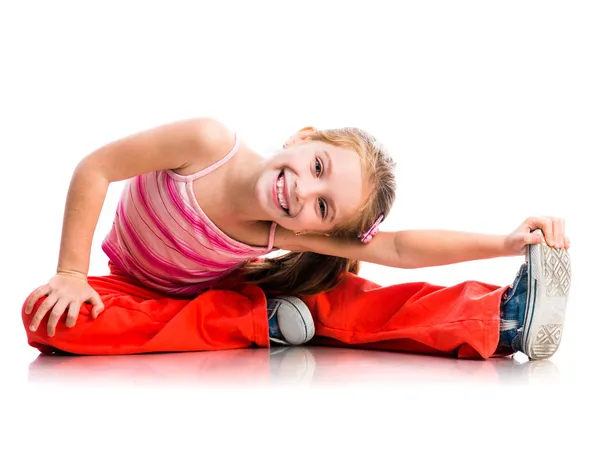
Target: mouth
[279, 193]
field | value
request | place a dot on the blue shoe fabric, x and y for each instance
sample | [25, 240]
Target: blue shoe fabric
[512, 311]
[274, 331]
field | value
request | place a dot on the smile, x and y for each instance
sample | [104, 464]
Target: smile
[279, 193]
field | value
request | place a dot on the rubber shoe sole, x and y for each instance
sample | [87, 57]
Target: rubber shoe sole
[294, 320]
[549, 281]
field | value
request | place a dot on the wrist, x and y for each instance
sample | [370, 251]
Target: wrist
[505, 248]
[508, 247]
[71, 273]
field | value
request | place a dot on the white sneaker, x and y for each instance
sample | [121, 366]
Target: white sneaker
[290, 321]
[549, 281]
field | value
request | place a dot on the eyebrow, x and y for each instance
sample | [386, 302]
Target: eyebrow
[329, 172]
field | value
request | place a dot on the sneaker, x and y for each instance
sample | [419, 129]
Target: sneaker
[290, 321]
[549, 280]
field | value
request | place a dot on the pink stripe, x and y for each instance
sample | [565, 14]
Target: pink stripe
[122, 261]
[111, 252]
[272, 235]
[198, 225]
[126, 263]
[179, 245]
[171, 199]
[171, 211]
[168, 287]
[143, 251]
[201, 250]
[138, 251]
[157, 283]
[218, 239]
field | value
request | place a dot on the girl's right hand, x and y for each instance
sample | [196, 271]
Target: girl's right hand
[64, 292]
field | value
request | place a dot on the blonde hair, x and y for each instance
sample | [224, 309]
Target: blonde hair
[306, 273]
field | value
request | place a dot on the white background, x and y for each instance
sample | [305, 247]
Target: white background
[491, 110]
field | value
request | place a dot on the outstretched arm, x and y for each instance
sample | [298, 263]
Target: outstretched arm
[418, 249]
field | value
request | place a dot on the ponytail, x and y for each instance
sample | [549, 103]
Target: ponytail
[299, 273]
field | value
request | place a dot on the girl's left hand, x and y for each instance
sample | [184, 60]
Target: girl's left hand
[553, 229]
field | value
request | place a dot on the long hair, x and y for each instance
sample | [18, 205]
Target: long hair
[306, 273]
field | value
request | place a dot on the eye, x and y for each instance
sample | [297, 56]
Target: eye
[323, 208]
[318, 167]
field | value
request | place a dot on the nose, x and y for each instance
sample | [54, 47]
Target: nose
[306, 190]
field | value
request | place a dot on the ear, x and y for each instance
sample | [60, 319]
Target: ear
[299, 136]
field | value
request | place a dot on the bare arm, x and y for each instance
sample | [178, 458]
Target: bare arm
[418, 249]
[404, 249]
[381, 250]
[181, 145]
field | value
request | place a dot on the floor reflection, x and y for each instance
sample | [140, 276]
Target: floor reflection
[319, 366]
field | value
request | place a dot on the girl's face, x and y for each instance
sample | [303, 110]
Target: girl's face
[312, 186]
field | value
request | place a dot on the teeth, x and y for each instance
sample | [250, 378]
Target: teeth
[280, 195]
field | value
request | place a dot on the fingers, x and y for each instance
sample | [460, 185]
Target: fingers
[552, 227]
[35, 296]
[72, 314]
[63, 294]
[533, 238]
[55, 314]
[44, 308]
[548, 230]
[98, 306]
[57, 308]
[558, 225]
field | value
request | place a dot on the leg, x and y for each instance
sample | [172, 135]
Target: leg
[462, 320]
[139, 320]
[468, 320]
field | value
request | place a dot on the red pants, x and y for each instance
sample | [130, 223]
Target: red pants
[461, 321]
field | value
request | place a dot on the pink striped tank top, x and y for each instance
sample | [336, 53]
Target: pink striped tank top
[161, 236]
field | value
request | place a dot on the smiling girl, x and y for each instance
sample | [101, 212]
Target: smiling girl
[200, 206]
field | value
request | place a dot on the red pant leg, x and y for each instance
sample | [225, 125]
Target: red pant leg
[139, 320]
[461, 320]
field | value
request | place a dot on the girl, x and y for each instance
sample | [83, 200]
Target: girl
[199, 208]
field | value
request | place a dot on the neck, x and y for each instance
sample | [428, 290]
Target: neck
[241, 184]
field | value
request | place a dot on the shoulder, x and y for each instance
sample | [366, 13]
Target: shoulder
[211, 136]
[209, 140]
[212, 131]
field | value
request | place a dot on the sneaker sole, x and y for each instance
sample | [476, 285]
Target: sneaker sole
[300, 317]
[548, 287]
